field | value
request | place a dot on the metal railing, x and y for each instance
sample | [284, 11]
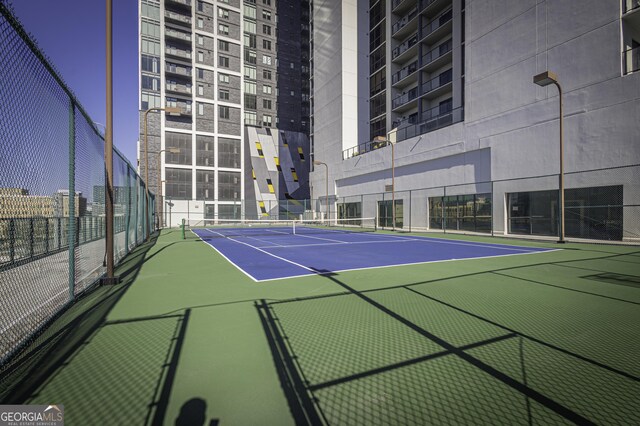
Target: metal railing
[401, 23]
[406, 45]
[405, 72]
[436, 23]
[442, 79]
[177, 34]
[630, 5]
[631, 60]
[177, 17]
[52, 194]
[436, 52]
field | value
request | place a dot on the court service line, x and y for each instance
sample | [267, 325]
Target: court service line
[270, 254]
[404, 264]
[228, 260]
[338, 244]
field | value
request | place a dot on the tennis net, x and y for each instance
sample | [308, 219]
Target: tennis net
[226, 228]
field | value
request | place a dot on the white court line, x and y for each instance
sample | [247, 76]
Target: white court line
[403, 264]
[228, 260]
[265, 252]
[339, 244]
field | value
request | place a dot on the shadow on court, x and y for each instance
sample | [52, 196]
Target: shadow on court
[428, 353]
[120, 370]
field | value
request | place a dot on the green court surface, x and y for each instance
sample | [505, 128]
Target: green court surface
[547, 338]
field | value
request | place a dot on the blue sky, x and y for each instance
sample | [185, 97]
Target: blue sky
[72, 34]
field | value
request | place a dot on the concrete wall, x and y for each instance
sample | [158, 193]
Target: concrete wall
[511, 128]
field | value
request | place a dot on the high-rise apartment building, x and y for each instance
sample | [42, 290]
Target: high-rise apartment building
[475, 141]
[238, 72]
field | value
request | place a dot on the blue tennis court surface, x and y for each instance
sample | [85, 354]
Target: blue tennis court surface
[276, 254]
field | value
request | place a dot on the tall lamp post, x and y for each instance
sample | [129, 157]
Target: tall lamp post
[544, 79]
[173, 151]
[171, 110]
[326, 185]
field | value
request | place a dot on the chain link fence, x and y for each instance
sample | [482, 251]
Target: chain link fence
[52, 193]
[600, 205]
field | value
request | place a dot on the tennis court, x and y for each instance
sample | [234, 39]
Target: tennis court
[269, 250]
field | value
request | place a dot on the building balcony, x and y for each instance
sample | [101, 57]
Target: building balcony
[433, 119]
[437, 27]
[400, 6]
[406, 25]
[179, 70]
[630, 5]
[180, 2]
[182, 89]
[179, 53]
[401, 78]
[406, 100]
[407, 49]
[631, 60]
[437, 85]
[184, 107]
[177, 35]
[177, 17]
[437, 56]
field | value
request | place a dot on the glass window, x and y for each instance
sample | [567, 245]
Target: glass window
[223, 78]
[250, 72]
[181, 141]
[229, 211]
[229, 186]
[266, 59]
[223, 45]
[223, 29]
[200, 108]
[150, 29]
[205, 186]
[178, 184]
[205, 151]
[151, 47]
[266, 74]
[250, 40]
[266, 44]
[223, 94]
[150, 11]
[223, 61]
[266, 29]
[223, 13]
[200, 23]
[250, 118]
[249, 11]
[150, 83]
[266, 103]
[229, 153]
[150, 64]
[385, 213]
[266, 89]
[266, 15]
[250, 87]
[266, 120]
[223, 112]
[249, 26]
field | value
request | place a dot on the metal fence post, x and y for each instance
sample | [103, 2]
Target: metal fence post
[492, 211]
[12, 240]
[46, 233]
[444, 202]
[72, 200]
[31, 239]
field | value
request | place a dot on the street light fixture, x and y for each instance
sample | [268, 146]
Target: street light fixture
[171, 110]
[326, 190]
[160, 204]
[544, 79]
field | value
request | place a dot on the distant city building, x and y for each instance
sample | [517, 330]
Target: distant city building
[235, 70]
[61, 204]
[17, 203]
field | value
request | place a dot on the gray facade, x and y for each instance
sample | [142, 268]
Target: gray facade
[505, 140]
[216, 61]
